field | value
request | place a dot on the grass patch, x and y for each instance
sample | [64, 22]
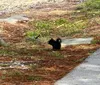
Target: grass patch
[3, 77]
[7, 52]
[96, 41]
[4, 65]
[89, 5]
[31, 34]
[19, 76]
[60, 21]
[34, 78]
[57, 27]
[14, 73]
[56, 54]
[33, 66]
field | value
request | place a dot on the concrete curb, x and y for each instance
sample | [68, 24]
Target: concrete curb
[87, 73]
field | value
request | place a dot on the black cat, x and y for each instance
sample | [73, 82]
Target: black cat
[56, 44]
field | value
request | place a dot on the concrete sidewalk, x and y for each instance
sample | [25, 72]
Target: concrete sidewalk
[87, 73]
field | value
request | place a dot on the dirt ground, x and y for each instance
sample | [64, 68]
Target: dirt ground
[47, 65]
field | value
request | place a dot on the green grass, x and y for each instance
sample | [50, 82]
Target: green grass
[95, 42]
[57, 27]
[34, 78]
[92, 4]
[33, 66]
[17, 73]
[4, 65]
[60, 21]
[56, 54]
[7, 52]
[89, 5]
[88, 10]
[31, 34]
[65, 27]
[3, 77]
[14, 73]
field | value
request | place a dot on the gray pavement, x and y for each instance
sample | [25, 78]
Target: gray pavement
[14, 19]
[87, 73]
[76, 41]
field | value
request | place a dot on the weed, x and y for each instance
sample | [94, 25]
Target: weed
[89, 5]
[80, 60]
[4, 65]
[3, 77]
[14, 73]
[56, 54]
[62, 27]
[7, 52]
[34, 78]
[60, 21]
[95, 42]
[43, 25]
[31, 33]
[72, 28]
[33, 66]
[91, 52]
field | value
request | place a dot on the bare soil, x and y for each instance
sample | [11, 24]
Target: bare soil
[48, 66]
